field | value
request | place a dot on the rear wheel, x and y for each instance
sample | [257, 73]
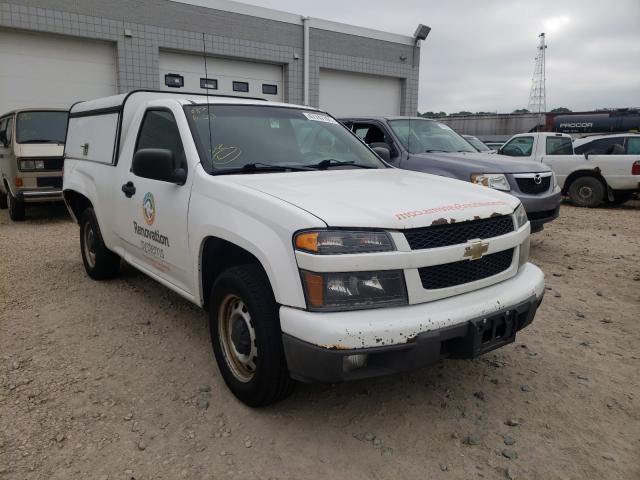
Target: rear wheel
[99, 262]
[246, 338]
[586, 192]
[16, 207]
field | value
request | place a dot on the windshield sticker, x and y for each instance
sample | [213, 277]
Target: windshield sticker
[224, 154]
[456, 207]
[319, 117]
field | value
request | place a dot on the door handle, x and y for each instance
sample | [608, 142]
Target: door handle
[129, 189]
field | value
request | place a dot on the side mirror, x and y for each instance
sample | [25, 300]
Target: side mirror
[499, 151]
[157, 164]
[3, 138]
[383, 153]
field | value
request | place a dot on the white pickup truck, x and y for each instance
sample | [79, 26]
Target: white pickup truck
[587, 179]
[316, 260]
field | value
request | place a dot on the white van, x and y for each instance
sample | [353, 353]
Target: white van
[31, 158]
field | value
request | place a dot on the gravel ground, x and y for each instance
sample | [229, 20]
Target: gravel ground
[116, 380]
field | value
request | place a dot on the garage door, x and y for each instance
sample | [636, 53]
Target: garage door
[53, 71]
[345, 93]
[179, 71]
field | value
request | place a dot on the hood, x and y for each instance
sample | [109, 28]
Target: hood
[386, 198]
[39, 150]
[477, 162]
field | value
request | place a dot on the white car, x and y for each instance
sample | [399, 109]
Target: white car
[588, 179]
[316, 260]
[608, 144]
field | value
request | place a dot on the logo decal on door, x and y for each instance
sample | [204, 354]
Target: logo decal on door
[149, 208]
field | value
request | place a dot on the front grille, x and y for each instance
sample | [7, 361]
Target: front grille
[49, 182]
[529, 185]
[456, 233]
[465, 271]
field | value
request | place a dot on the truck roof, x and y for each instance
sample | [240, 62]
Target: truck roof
[117, 102]
[33, 109]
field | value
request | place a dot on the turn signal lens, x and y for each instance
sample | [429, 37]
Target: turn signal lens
[18, 182]
[307, 241]
[314, 288]
[333, 242]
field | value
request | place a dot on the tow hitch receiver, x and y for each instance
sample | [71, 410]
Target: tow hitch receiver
[494, 332]
[486, 334]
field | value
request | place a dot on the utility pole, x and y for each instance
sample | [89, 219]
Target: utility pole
[538, 93]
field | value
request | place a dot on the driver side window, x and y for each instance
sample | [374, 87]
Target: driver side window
[518, 147]
[159, 130]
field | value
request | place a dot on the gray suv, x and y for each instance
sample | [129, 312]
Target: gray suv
[428, 146]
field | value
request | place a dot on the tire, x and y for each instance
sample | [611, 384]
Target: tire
[16, 207]
[586, 192]
[246, 337]
[99, 262]
[621, 197]
[3, 200]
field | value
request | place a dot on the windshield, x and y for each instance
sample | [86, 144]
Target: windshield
[481, 147]
[237, 136]
[41, 127]
[420, 135]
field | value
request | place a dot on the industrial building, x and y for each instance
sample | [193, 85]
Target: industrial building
[56, 52]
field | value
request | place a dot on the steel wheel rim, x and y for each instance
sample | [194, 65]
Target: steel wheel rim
[585, 192]
[238, 338]
[89, 244]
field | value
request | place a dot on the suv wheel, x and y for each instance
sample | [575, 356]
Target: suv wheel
[586, 192]
[16, 207]
[99, 262]
[246, 337]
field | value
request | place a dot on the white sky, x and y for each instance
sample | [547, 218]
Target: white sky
[480, 54]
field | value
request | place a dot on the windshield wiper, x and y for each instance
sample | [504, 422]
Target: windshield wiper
[260, 167]
[332, 162]
[436, 151]
[38, 140]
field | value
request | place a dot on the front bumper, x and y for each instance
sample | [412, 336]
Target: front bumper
[404, 338]
[541, 209]
[39, 195]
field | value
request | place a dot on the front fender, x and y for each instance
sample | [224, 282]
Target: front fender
[265, 231]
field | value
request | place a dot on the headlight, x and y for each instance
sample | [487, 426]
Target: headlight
[521, 216]
[31, 164]
[27, 165]
[492, 180]
[331, 242]
[354, 290]
[523, 257]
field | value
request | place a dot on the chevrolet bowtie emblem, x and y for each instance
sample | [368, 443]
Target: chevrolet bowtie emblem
[476, 249]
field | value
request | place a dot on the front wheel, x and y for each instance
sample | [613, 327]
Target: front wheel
[246, 338]
[586, 192]
[99, 262]
[16, 207]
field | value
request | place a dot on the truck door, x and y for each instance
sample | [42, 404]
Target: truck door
[152, 214]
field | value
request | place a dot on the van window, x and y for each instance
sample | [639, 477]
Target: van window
[159, 130]
[633, 146]
[41, 127]
[559, 146]
[9, 128]
[518, 147]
